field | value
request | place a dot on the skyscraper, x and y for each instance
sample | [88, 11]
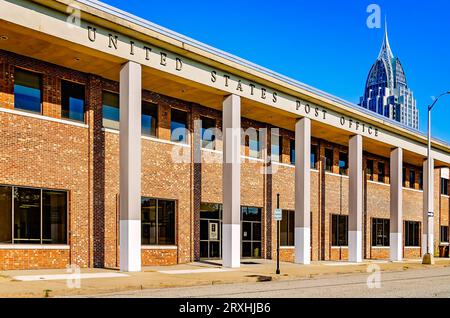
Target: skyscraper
[386, 91]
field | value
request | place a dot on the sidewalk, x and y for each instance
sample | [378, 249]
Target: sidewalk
[42, 283]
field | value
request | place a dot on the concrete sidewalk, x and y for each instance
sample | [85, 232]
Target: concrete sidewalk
[50, 283]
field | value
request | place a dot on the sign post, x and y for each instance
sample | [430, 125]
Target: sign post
[278, 215]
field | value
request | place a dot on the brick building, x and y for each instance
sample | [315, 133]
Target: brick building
[352, 184]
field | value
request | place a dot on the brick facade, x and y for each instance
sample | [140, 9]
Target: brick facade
[45, 151]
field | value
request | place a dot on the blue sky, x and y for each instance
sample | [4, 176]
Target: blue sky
[326, 44]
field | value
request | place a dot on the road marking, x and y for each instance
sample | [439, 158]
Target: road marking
[195, 271]
[30, 278]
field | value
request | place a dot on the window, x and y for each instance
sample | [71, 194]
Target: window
[328, 159]
[287, 226]
[412, 233]
[444, 234]
[381, 172]
[253, 143]
[380, 232]
[208, 133]
[275, 150]
[33, 216]
[444, 186]
[72, 101]
[313, 157]
[158, 221]
[251, 231]
[149, 118]
[343, 163]
[420, 180]
[412, 178]
[111, 113]
[27, 91]
[369, 170]
[339, 230]
[404, 177]
[292, 142]
[178, 126]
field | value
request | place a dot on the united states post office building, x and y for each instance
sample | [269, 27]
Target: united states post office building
[124, 144]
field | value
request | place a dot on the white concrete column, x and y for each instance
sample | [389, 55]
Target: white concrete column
[231, 225]
[130, 167]
[428, 206]
[302, 191]
[355, 199]
[396, 199]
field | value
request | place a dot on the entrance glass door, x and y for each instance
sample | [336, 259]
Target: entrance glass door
[211, 231]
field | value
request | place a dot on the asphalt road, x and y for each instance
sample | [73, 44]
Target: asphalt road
[433, 282]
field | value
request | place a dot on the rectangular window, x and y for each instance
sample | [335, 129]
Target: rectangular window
[178, 126]
[444, 234]
[149, 119]
[404, 177]
[5, 214]
[313, 157]
[111, 112]
[275, 149]
[54, 217]
[369, 170]
[420, 180]
[381, 172]
[412, 233]
[287, 225]
[208, 133]
[72, 101]
[412, 178]
[339, 230]
[158, 221]
[380, 232]
[33, 216]
[343, 163]
[444, 186]
[292, 151]
[27, 91]
[253, 143]
[329, 159]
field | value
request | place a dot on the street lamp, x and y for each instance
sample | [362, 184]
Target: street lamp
[428, 257]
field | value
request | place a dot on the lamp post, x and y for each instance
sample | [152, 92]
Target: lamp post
[428, 257]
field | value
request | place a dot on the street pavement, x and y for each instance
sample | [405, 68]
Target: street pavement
[429, 282]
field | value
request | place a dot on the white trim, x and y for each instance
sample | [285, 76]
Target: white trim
[379, 183]
[445, 196]
[163, 141]
[42, 117]
[287, 247]
[336, 174]
[410, 189]
[380, 247]
[159, 247]
[252, 159]
[276, 163]
[339, 247]
[411, 246]
[33, 247]
[212, 150]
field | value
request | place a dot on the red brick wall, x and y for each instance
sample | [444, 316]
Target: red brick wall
[34, 259]
[84, 161]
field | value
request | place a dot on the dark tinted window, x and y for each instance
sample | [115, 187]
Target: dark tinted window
[178, 126]
[444, 234]
[287, 226]
[380, 232]
[412, 233]
[313, 157]
[328, 159]
[444, 186]
[292, 151]
[339, 230]
[27, 91]
[208, 132]
[5, 214]
[412, 178]
[149, 119]
[369, 169]
[72, 101]
[111, 112]
[381, 172]
[54, 217]
[343, 163]
[158, 221]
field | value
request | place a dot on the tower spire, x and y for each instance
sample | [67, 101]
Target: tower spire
[385, 46]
